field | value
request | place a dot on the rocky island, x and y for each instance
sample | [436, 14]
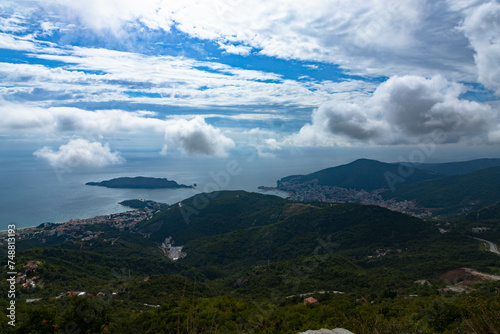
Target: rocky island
[139, 182]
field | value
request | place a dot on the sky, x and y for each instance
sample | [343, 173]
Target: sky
[85, 82]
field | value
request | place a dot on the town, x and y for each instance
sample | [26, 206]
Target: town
[311, 191]
[78, 229]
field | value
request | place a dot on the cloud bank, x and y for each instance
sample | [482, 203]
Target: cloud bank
[192, 136]
[402, 110]
[80, 153]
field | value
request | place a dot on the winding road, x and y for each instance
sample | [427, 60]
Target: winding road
[493, 247]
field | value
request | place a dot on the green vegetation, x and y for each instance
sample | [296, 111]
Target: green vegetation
[486, 219]
[360, 174]
[211, 214]
[138, 182]
[454, 193]
[445, 189]
[251, 260]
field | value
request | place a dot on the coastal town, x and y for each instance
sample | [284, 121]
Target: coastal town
[312, 191]
[80, 229]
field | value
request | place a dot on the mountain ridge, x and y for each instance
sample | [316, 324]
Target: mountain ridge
[360, 174]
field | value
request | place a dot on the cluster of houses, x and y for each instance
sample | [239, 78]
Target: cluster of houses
[85, 294]
[76, 229]
[23, 277]
[311, 191]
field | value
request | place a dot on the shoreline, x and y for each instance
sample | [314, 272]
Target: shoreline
[274, 192]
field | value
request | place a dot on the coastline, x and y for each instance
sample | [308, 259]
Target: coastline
[270, 191]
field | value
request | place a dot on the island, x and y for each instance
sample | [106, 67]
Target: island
[139, 182]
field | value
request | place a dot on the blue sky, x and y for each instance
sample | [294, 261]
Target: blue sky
[81, 80]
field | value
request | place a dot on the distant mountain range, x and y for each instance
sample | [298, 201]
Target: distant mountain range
[447, 187]
[138, 182]
[360, 174]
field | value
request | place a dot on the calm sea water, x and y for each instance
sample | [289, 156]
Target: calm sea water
[32, 192]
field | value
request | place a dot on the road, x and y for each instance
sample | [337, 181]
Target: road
[493, 247]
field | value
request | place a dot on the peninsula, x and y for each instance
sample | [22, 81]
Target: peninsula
[139, 182]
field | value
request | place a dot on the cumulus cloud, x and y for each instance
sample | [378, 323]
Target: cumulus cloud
[193, 136]
[196, 137]
[345, 119]
[414, 107]
[405, 109]
[482, 28]
[80, 153]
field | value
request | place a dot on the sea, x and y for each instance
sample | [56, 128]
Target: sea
[33, 192]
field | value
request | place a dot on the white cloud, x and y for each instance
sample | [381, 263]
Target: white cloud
[371, 38]
[482, 28]
[10, 42]
[160, 80]
[112, 15]
[235, 49]
[402, 110]
[196, 137]
[375, 37]
[193, 136]
[17, 117]
[80, 153]
[12, 24]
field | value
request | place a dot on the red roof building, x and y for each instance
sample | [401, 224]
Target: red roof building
[310, 300]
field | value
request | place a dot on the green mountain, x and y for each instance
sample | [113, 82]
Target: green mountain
[348, 229]
[139, 182]
[237, 229]
[360, 174]
[454, 193]
[251, 260]
[211, 214]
